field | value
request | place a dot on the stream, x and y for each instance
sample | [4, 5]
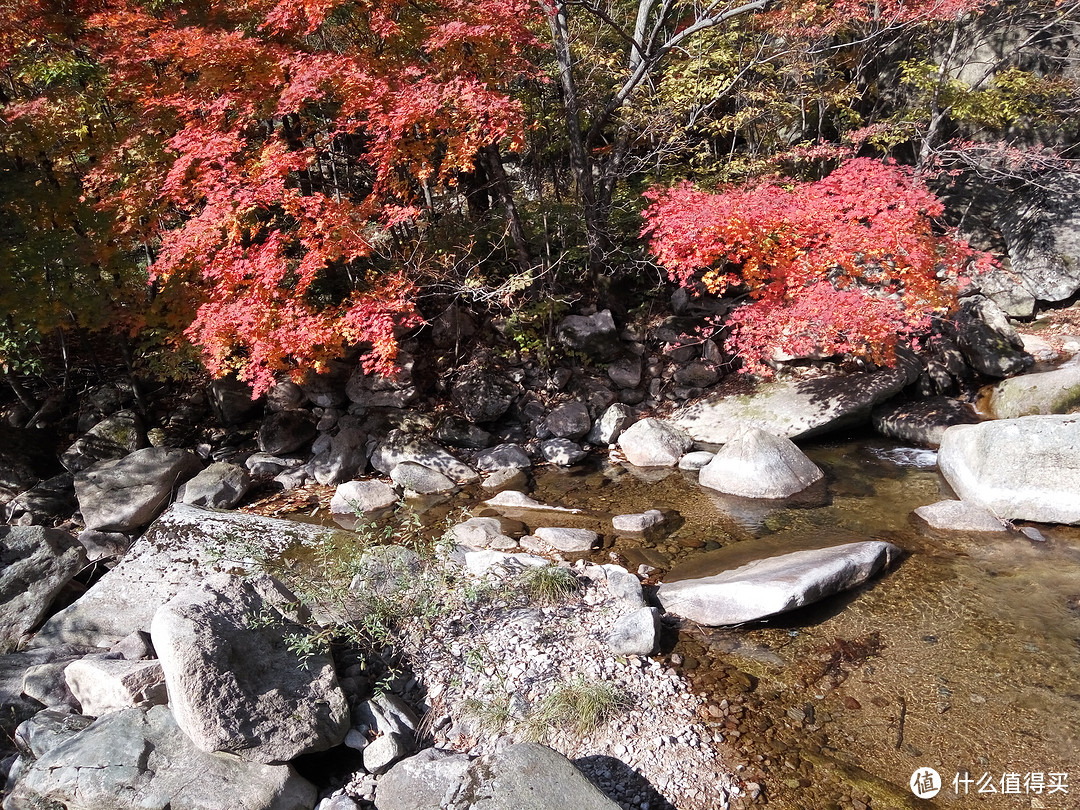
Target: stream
[964, 658]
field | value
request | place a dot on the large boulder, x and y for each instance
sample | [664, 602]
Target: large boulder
[1018, 469]
[924, 421]
[220, 486]
[232, 402]
[113, 437]
[570, 420]
[394, 390]
[774, 585]
[35, 565]
[286, 431]
[594, 335]
[45, 502]
[135, 759]
[399, 446]
[420, 479]
[988, 341]
[1040, 225]
[1046, 392]
[483, 395]
[363, 497]
[234, 684]
[126, 494]
[795, 407]
[610, 426]
[756, 464]
[103, 685]
[524, 776]
[654, 443]
[175, 551]
[344, 455]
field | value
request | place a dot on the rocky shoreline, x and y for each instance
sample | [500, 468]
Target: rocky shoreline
[160, 619]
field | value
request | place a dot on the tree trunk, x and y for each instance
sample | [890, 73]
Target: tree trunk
[501, 182]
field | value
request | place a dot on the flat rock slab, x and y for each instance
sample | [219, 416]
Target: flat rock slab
[1017, 469]
[569, 540]
[127, 494]
[35, 564]
[178, 549]
[776, 584]
[793, 408]
[135, 759]
[234, 685]
[957, 516]
[757, 464]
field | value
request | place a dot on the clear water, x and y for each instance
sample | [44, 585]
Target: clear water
[965, 657]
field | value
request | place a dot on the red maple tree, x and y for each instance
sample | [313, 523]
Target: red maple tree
[850, 264]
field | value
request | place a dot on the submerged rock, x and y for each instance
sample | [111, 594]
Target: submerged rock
[775, 584]
[957, 516]
[924, 421]
[756, 464]
[1018, 469]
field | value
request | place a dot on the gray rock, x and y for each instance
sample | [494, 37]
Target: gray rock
[483, 395]
[285, 395]
[1041, 229]
[487, 560]
[113, 437]
[987, 339]
[430, 780]
[570, 420]
[220, 486]
[344, 458]
[175, 551]
[615, 419]
[44, 502]
[420, 479]
[363, 497]
[231, 400]
[625, 373]
[458, 432]
[570, 540]
[529, 776]
[394, 724]
[594, 335]
[132, 758]
[47, 729]
[513, 501]
[236, 687]
[636, 633]
[795, 407]
[624, 586]
[923, 422]
[127, 494]
[35, 565]
[654, 443]
[697, 375]
[267, 464]
[102, 545]
[399, 446]
[104, 685]
[507, 478]
[957, 516]
[504, 457]
[1047, 392]
[776, 584]
[481, 532]
[638, 524]
[562, 452]
[696, 460]
[328, 390]
[451, 327]
[396, 390]
[286, 432]
[45, 683]
[756, 464]
[384, 751]
[1017, 469]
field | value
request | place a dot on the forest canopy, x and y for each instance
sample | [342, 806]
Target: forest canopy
[277, 182]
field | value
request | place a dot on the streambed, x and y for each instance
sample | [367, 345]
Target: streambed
[964, 658]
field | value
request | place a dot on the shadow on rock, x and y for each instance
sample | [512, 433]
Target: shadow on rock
[619, 782]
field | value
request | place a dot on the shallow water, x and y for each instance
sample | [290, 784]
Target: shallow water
[965, 657]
